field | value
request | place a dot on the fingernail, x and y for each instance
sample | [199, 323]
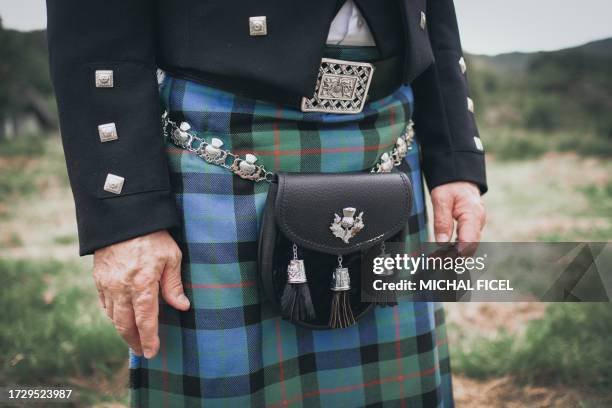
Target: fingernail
[442, 238]
[183, 299]
[148, 353]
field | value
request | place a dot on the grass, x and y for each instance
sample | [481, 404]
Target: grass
[570, 345]
[508, 143]
[16, 173]
[51, 330]
[24, 146]
[599, 198]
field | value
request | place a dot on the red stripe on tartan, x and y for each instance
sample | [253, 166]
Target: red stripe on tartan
[219, 285]
[173, 150]
[316, 150]
[279, 348]
[349, 388]
[398, 355]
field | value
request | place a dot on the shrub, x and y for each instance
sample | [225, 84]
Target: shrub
[570, 345]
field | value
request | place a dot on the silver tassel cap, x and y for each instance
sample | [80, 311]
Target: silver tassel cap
[341, 280]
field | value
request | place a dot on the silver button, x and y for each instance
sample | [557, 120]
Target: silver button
[470, 104]
[360, 22]
[104, 78]
[107, 132]
[258, 26]
[423, 20]
[478, 143]
[462, 65]
[113, 183]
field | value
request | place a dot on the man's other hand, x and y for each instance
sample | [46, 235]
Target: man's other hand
[458, 201]
[129, 275]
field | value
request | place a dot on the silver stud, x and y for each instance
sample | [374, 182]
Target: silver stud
[247, 166]
[386, 164]
[470, 104]
[462, 65]
[104, 78]
[113, 183]
[258, 26]
[423, 20]
[107, 132]
[216, 143]
[478, 143]
[212, 152]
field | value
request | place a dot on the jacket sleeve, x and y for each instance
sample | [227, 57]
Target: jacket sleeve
[102, 58]
[444, 118]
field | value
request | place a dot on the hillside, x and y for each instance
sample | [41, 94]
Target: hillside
[569, 90]
[518, 62]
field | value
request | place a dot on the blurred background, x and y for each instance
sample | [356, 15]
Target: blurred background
[540, 77]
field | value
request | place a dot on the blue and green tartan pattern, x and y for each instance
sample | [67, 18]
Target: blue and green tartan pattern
[232, 348]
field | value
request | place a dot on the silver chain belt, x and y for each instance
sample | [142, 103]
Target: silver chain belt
[246, 167]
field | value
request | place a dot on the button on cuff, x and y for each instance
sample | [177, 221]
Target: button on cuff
[113, 183]
[104, 78]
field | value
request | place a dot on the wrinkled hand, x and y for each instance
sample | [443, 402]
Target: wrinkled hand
[128, 276]
[460, 201]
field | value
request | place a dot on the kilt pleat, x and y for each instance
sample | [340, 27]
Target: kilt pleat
[232, 348]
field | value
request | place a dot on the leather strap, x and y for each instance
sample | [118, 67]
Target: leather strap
[387, 75]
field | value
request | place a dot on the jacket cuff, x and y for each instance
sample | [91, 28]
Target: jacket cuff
[445, 167]
[125, 217]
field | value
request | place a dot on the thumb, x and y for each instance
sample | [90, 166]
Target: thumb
[172, 286]
[443, 217]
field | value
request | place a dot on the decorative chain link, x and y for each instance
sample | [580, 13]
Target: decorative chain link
[246, 167]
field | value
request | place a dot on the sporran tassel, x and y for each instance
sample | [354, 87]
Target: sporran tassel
[386, 297]
[296, 302]
[341, 314]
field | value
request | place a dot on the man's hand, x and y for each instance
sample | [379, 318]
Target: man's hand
[460, 201]
[128, 276]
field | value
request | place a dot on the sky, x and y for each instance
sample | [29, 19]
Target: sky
[487, 26]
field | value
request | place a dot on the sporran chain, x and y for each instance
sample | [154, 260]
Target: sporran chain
[246, 167]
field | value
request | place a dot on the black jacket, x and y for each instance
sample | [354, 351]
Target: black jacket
[209, 40]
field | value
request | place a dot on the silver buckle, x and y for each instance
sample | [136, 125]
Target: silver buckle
[342, 87]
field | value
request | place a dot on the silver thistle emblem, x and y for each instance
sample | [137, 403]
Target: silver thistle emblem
[348, 226]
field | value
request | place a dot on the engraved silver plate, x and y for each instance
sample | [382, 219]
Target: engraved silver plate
[348, 226]
[342, 87]
[296, 272]
[341, 280]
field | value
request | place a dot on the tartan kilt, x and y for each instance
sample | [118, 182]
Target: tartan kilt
[232, 348]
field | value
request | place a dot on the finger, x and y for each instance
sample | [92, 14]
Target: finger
[125, 323]
[100, 296]
[108, 305]
[101, 300]
[172, 286]
[146, 310]
[468, 232]
[443, 217]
